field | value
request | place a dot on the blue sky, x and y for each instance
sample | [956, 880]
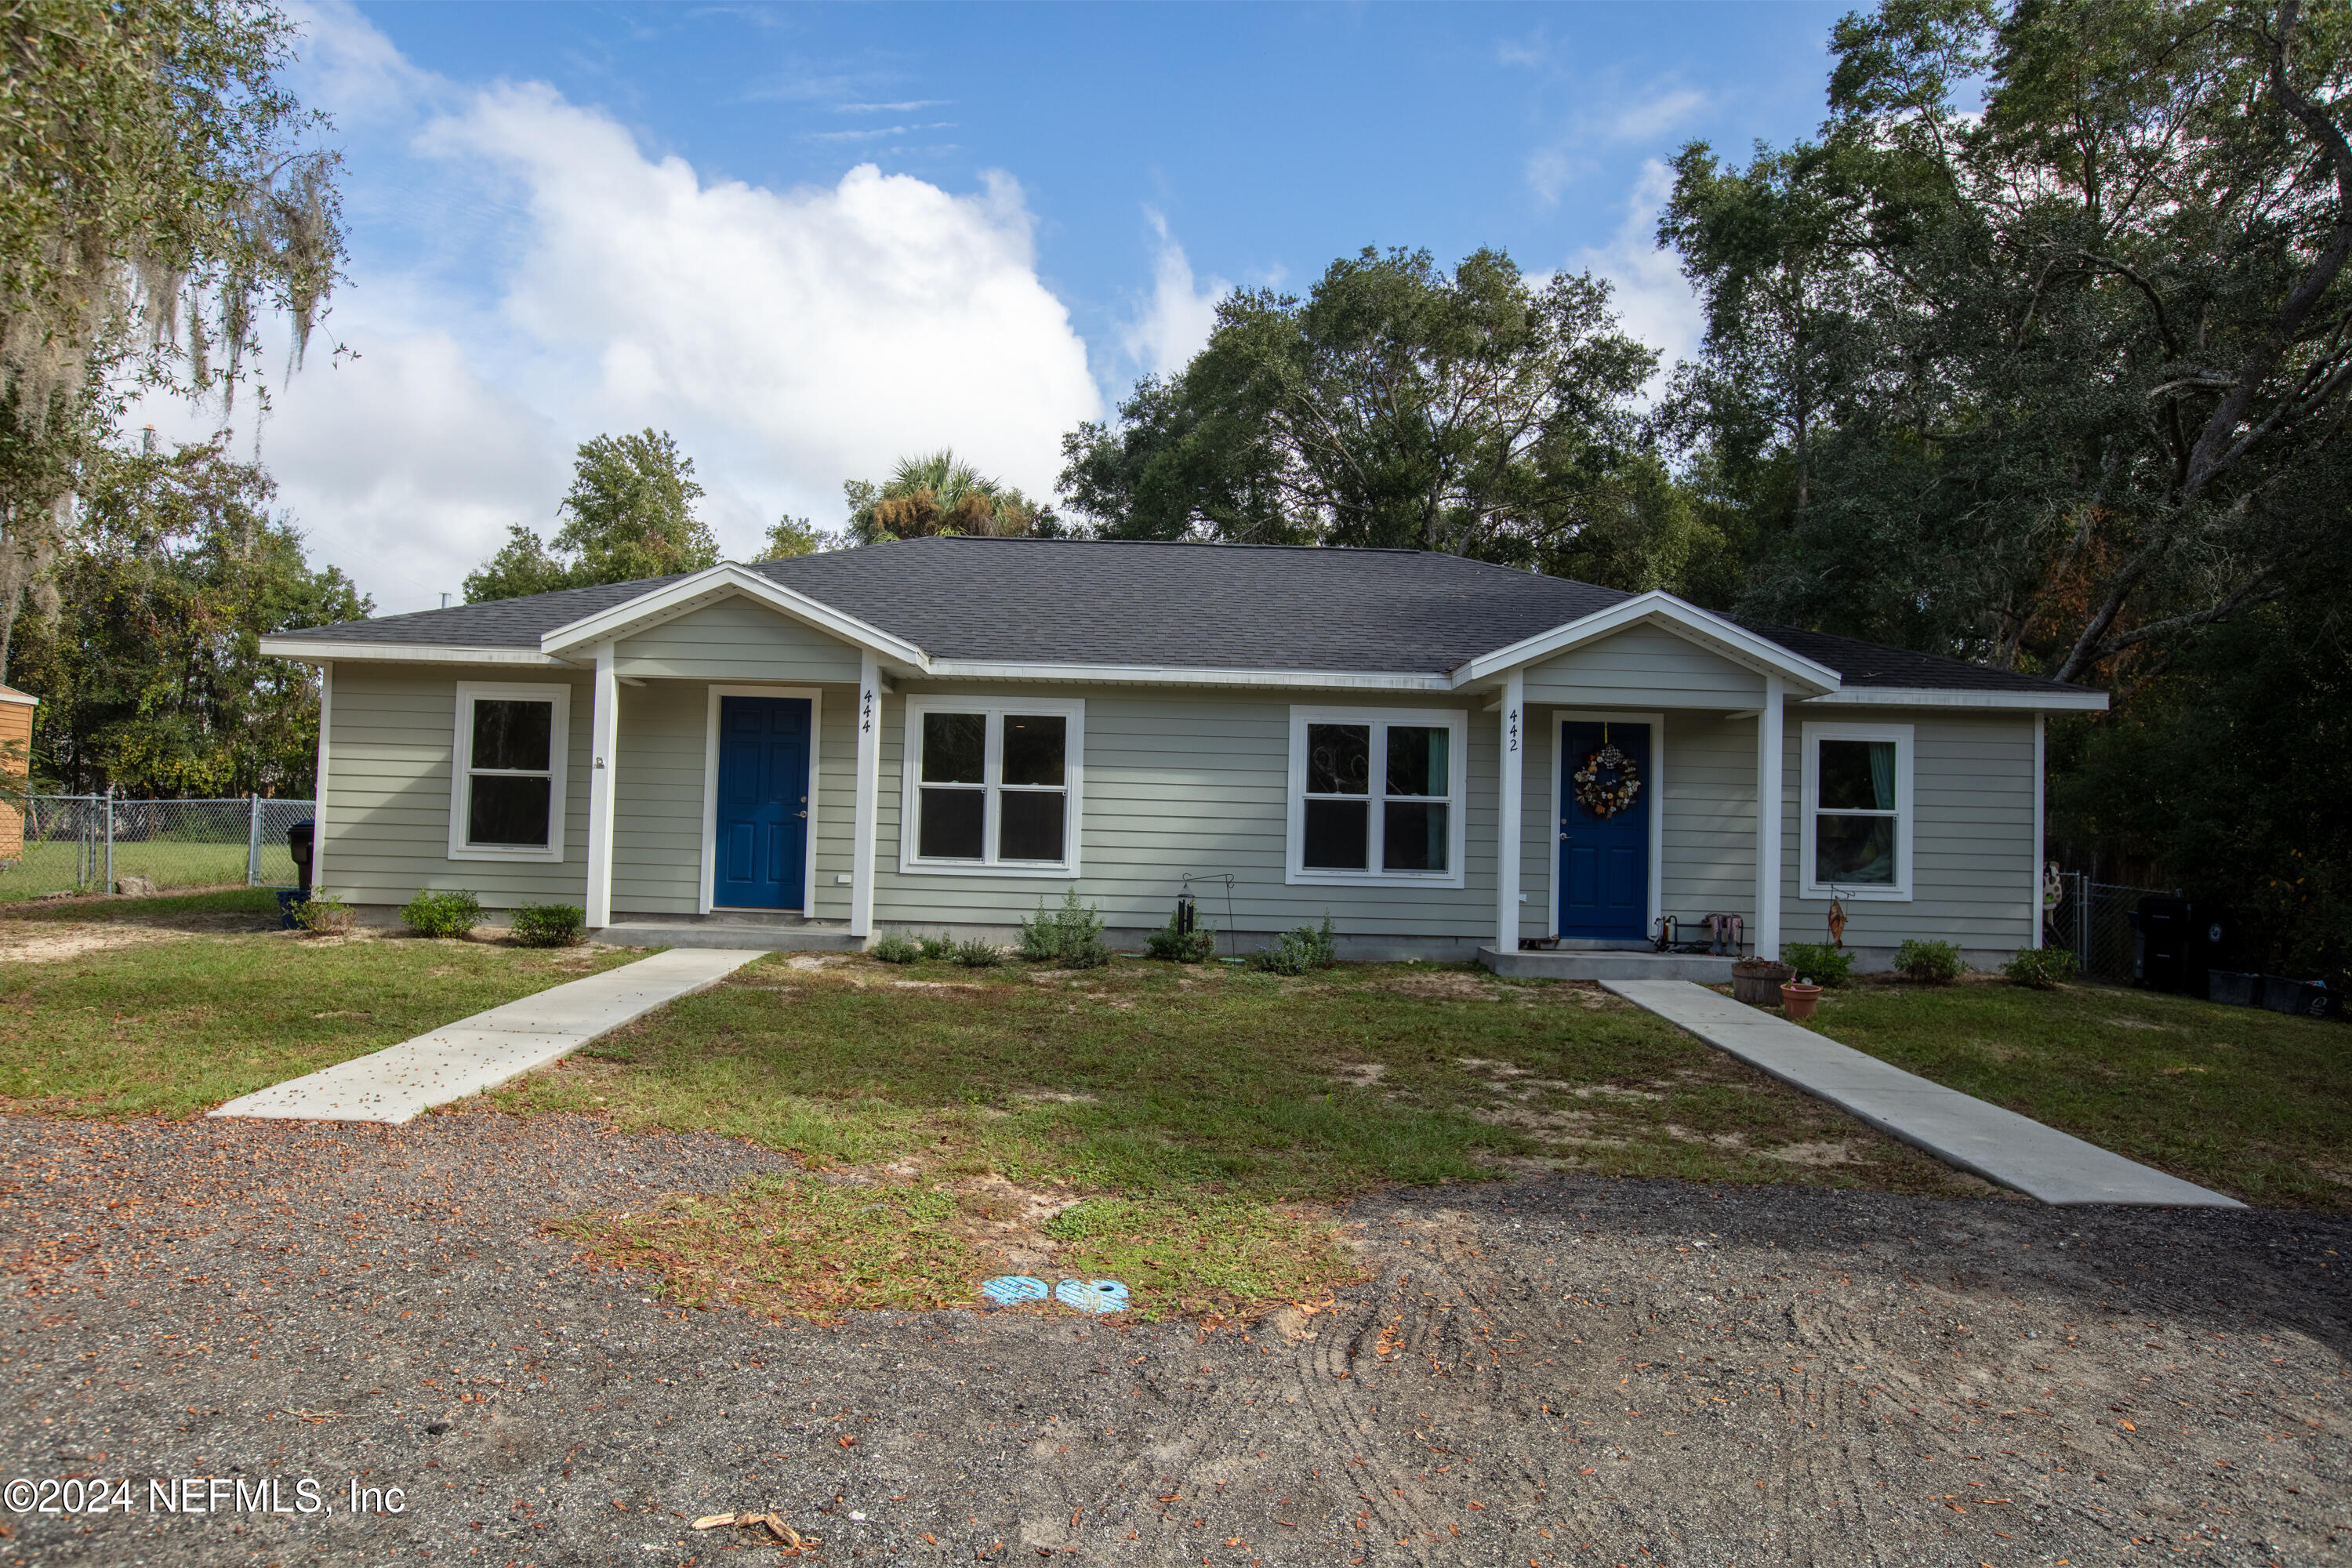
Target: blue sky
[808, 238]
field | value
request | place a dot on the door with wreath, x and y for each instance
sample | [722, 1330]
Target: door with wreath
[1605, 801]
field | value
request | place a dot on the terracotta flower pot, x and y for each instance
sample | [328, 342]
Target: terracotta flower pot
[1799, 998]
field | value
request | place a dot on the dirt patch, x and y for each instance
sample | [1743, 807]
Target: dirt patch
[1585, 993]
[1360, 1075]
[1826, 1153]
[48, 944]
[1449, 986]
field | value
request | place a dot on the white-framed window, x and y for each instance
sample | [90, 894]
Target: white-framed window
[992, 786]
[1856, 838]
[506, 772]
[1376, 794]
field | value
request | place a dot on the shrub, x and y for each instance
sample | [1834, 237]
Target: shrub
[1818, 961]
[1041, 938]
[977, 954]
[2041, 968]
[550, 925]
[936, 949]
[896, 949]
[1929, 962]
[1297, 952]
[436, 913]
[324, 914]
[1071, 935]
[1192, 946]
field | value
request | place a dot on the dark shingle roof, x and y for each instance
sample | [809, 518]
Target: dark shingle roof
[1217, 606]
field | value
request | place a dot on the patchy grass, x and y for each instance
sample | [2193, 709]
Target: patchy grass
[2249, 1102]
[167, 1006]
[257, 903]
[50, 868]
[1203, 1114]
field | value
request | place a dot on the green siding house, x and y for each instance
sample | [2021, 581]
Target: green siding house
[1451, 758]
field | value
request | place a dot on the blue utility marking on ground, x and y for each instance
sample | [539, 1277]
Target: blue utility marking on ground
[1092, 1295]
[1012, 1290]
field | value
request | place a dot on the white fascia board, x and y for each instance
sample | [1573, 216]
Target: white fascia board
[315, 650]
[1935, 697]
[20, 698]
[727, 577]
[1180, 675]
[1660, 609]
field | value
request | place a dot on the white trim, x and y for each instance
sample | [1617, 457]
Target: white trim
[1771, 800]
[1662, 609]
[1178, 675]
[604, 767]
[815, 699]
[321, 650]
[1656, 785]
[319, 783]
[1456, 721]
[461, 752]
[1510, 811]
[869, 795]
[1809, 738]
[20, 698]
[1935, 697]
[717, 583]
[910, 779]
[2033, 904]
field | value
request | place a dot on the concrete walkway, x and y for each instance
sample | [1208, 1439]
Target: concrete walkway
[1958, 1128]
[486, 1050]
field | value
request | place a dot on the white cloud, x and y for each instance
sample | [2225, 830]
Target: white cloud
[1653, 299]
[1659, 115]
[524, 277]
[1552, 168]
[1171, 327]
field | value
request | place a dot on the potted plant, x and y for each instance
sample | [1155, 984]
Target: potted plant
[1799, 998]
[1757, 980]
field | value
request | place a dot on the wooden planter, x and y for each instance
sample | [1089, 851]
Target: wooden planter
[1757, 980]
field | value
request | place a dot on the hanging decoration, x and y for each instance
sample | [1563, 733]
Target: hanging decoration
[1608, 782]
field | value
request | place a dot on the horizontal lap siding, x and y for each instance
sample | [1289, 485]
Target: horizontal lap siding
[387, 808]
[736, 639]
[1710, 827]
[1972, 835]
[1178, 782]
[657, 799]
[1642, 666]
[836, 801]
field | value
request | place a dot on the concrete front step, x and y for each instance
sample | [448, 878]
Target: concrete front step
[725, 931]
[1606, 963]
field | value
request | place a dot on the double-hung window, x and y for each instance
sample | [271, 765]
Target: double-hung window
[992, 786]
[1857, 811]
[1376, 794]
[506, 794]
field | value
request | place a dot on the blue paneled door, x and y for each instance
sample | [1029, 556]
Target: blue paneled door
[763, 812]
[1604, 861]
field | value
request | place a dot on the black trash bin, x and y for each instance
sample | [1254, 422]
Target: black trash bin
[2179, 941]
[297, 844]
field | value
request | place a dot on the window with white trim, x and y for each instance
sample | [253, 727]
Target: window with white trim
[1376, 794]
[507, 768]
[1856, 832]
[992, 786]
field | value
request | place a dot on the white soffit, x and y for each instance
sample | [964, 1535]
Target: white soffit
[2055, 700]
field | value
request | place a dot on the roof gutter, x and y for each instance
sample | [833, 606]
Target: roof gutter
[318, 650]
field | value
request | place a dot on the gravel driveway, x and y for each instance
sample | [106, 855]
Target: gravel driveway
[1550, 1372]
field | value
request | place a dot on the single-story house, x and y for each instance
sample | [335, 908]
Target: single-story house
[935, 735]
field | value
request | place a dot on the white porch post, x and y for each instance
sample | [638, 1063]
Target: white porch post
[603, 734]
[2033, 905]
[1511, 815]
[319, 787]
[870, 783]
[1770, 733]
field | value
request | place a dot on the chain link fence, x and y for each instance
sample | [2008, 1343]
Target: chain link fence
[2094, 919]
[90, 843]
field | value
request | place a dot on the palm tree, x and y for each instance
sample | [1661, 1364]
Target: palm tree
[935, 494]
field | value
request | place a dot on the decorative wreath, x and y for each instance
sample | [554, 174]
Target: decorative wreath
[1607, 783]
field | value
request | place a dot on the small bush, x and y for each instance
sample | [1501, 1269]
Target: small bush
[936, 949]
[1297, 952]
[896, 949]
[1071, 935]
[1818, 961]
[977, 954]
[1929, 962]
[550, 925]
[2041, 968]
[1175, 946]
[454, 912]
[1041, 938]
[324, 914]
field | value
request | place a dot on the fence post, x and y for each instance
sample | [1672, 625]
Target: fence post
[253, 843]
[2082, 922]
[110, 840]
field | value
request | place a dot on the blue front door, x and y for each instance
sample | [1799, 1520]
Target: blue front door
[1604, 861]
[764, 791]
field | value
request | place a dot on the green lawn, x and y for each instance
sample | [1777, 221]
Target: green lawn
[2252, 1103]
[1194, 1117]
[203, 1002]
[51, 867]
